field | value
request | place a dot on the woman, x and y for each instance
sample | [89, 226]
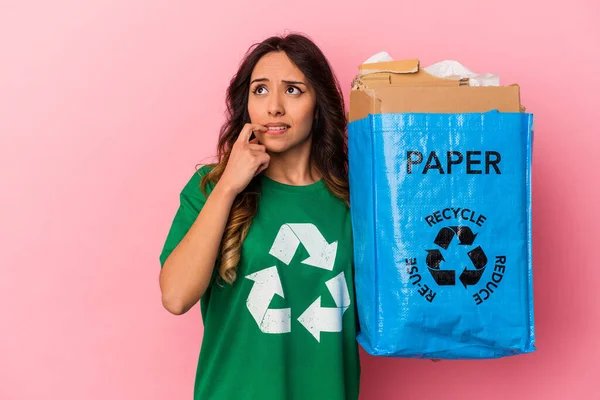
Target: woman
[263, 237]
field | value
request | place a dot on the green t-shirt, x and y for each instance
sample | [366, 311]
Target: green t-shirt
[286, 328]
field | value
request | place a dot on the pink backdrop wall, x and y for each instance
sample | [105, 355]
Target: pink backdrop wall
[106, 106]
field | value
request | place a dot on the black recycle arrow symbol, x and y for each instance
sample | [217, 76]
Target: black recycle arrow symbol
[441, 277]
[479, 260]
[435, 258]
[446, 234]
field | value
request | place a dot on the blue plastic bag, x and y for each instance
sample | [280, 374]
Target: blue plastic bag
[441, 216]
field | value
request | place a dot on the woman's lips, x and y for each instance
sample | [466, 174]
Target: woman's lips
[276, 130]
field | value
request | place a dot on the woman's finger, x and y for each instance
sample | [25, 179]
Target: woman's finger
[261, 157]
[247, 130]
[257, 147]
[262, 168]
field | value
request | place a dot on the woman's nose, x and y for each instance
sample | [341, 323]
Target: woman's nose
[276, 105]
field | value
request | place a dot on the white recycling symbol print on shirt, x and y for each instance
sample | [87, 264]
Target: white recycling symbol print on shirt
[267, 284]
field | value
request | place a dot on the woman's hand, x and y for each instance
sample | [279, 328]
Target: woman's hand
[246, 160]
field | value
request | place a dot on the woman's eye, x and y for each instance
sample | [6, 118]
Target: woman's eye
[293, 90]
[259, 90]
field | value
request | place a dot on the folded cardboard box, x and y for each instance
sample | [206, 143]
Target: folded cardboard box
[402, 86]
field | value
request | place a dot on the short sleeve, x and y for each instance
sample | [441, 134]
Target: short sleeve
[191, 201]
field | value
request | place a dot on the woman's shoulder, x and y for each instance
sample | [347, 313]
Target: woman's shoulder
[193, 186]
[203, 170]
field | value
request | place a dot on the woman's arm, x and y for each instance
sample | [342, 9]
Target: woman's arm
[187, 271]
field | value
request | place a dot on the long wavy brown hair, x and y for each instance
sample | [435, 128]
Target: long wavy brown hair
[329, 151]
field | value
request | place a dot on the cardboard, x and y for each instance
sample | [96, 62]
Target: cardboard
[403, 87]
[397, 66]
[401, 72]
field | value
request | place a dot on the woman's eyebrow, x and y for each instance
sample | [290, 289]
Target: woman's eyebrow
[284, 81]
[260, 80]
[294, 82]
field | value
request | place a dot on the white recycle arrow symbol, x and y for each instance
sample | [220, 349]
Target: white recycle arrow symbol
[317, 319]
[289, 237]
[266, 285]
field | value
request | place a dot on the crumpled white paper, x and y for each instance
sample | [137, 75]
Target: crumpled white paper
[382, 56]
[451, 68]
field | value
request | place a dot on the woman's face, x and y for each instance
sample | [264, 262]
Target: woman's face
[281, 99]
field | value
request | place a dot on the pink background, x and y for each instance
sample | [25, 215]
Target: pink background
[106, 106]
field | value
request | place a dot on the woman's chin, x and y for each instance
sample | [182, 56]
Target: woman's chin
[281, 144]
[276, 148]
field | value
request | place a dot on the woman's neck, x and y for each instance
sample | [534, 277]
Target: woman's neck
[293, 167]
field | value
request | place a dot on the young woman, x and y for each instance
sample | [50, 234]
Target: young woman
[263, 237]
